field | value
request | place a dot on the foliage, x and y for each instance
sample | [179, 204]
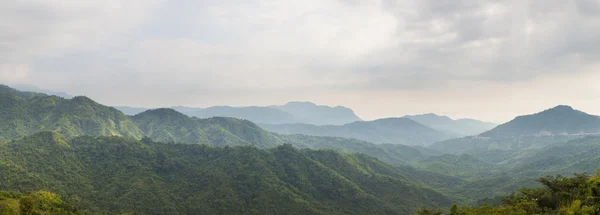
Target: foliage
[22, 116]
[579, 194]
[39, 202]
[118, 174]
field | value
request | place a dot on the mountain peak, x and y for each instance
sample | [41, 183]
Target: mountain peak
[561, 119]
[561, 108]
[161, 112]
[300, 103]
[459, 127]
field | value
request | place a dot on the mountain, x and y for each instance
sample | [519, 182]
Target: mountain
[25, 113]
[32, 88]
[388, 130]
[168, 125]
[254, 114]
[310, 113]
[117, 174]
[560, 120]
[292, 112]
[457, 128]
[530, 132]
[21, 94]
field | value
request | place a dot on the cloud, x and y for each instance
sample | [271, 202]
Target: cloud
[45, 28]
[270, 51]
[444, 41]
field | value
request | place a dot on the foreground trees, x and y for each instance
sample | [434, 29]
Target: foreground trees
[579, 194]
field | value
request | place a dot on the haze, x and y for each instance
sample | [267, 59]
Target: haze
[490, 60]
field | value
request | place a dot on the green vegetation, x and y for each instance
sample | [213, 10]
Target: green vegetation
[22, 115]
[40, 202]
[168, 125]
[559, 195]
[118, 174]
[100, 160]
[32, 113]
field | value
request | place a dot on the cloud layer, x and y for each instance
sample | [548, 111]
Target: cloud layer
[381, 57]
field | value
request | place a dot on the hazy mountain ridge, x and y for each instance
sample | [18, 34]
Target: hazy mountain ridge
[292, 112]
[32, 88]
[560, 120]
[389, 130]
[533, 131]
[310, 113]
[457, 128]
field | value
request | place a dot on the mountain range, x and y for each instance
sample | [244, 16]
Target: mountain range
[25, 113]
[388, 130]
[538, 130]
[162, 161]
[292, 112]
[456, 128]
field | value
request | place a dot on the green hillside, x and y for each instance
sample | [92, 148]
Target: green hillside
[579, 194]
[25, 115]
[168, 125]
[118, 174]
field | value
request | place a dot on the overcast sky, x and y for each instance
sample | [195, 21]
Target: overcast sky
[489, 59]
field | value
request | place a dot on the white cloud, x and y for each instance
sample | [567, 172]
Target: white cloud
[47, 28]
[336, 51]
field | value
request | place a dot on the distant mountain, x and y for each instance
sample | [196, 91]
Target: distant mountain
[293, 112]
[310, 113]
[254, 114]
[32, 88]
[525, 133]
[117, 175]
[458, 128]
[560, 120]
[389, 130]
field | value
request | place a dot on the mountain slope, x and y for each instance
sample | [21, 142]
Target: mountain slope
[389, 130]
[118, 174]
[168, 125]
[292, 112]
[560, 120]
[82, 116]
[24, 113]
[458, 128]
[529, 132]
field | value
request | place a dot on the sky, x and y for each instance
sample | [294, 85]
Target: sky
[490, 60]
